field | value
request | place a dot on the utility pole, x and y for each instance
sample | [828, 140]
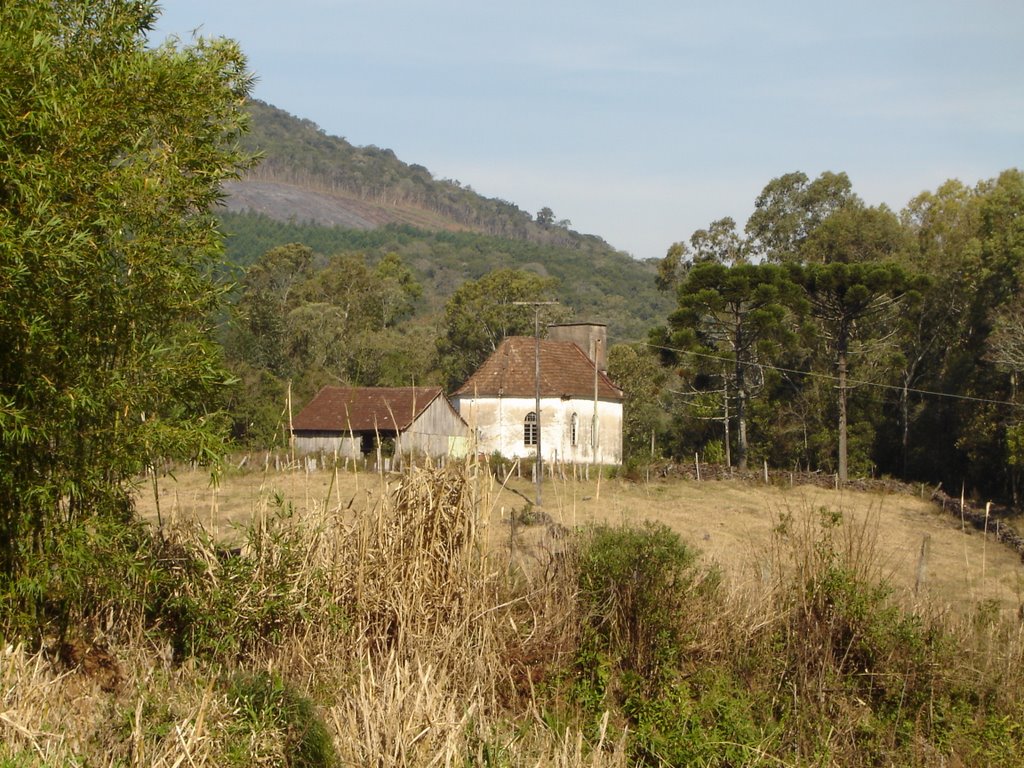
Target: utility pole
[725, 420]
[595, 440]
[536, 378]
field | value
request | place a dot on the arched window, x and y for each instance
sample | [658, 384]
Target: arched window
[574, 429]
[530, 429]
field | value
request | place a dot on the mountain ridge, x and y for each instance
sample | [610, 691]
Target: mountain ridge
[309, 176]
[336, 198]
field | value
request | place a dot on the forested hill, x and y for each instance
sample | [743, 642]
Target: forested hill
[309, 176]
[593, 283]
[323, 192]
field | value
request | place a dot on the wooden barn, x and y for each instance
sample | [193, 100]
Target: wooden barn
[353, 421]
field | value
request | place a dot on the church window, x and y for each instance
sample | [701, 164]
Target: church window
[530, 429]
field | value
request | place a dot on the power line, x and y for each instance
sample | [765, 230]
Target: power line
[849, 382]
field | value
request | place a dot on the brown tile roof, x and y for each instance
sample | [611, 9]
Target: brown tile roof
[360, 409]
[564, 371]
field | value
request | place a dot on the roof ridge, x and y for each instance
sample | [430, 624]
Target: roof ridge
[358, 408]
[566, 371]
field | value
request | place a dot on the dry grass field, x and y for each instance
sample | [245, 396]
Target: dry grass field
[730, 522]
[427, 619]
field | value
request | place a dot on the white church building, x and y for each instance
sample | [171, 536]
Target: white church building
[580, 418]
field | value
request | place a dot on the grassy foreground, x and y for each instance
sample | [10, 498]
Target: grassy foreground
[403, 622]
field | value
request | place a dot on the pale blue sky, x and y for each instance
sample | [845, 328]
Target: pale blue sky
[641, 122]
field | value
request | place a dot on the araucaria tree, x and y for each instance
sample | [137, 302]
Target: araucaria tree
[853, 283]
[734, 315]
[847, 299]
[729, 311]
[112, 153]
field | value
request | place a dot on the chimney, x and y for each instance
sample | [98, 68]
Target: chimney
[592, 338]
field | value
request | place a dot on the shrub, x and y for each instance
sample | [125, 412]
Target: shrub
[870, 682]
[646, 654]
[634, 587]
[711, 719]
[267, 706]
[714, 452]
[93, 578]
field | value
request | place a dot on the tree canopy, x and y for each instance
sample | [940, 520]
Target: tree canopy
[903, 329]
[483, 312]
[112, 154]
[791, 207]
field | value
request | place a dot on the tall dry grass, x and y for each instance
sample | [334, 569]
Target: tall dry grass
[394, 630]
[408, 636]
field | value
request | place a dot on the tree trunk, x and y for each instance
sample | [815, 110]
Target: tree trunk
[842, 412]
[908, 378]
[1014, 467]
[905, 417]
[741, 406]
[725, 402]
[741, 428]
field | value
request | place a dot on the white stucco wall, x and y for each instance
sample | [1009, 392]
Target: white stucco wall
[498, 425]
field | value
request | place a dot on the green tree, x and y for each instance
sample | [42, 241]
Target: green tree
[257, 343]
[1006, 342]
[637, 372]
[734, 315]
[259, 327]
[350, 288]
[944, 247]
[728, 310]
[308, 320]
[345, 317]
[790, 208]
[997, 315]
[112, 153]
[1001, 233]
[1006, 350]
[851, 266]
[483, 312]
[720, 243]
[848, 299]
[398, 289]
[672, 268]
[970, 243]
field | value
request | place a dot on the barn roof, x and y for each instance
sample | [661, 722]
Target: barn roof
[363, 409]
[565, 371]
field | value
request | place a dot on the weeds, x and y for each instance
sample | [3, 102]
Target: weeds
[270, 710]
[389, 635]
[635, 586]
